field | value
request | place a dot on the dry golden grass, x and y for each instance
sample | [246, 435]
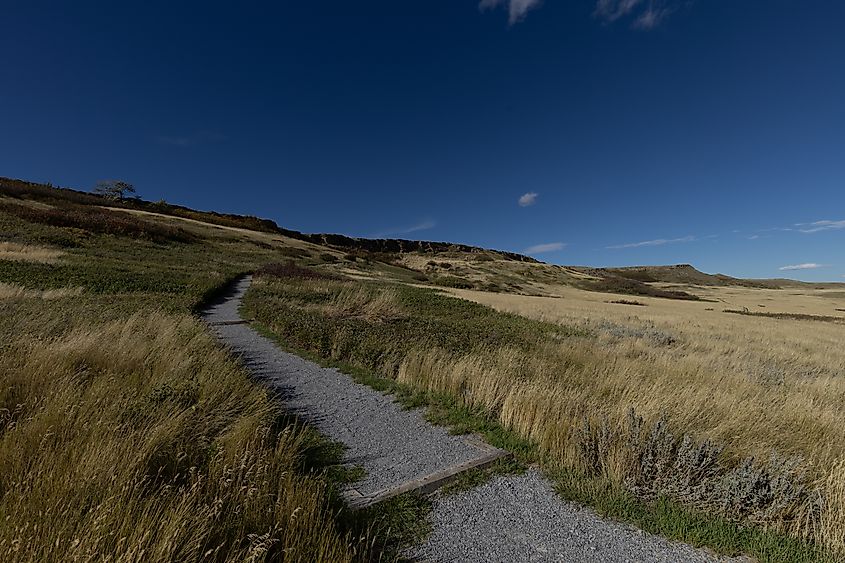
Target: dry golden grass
[756, 385]
[644, 406]
[831, 530]
[29, 253]
[140, 440]
[12, 292]
[373, 306]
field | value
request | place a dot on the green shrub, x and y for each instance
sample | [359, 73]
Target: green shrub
[290, 270]
[453, 281]
[329, 258]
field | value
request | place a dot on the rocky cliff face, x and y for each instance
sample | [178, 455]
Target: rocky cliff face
[400, 245]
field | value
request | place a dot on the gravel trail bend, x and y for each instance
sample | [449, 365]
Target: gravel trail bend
[393, 445]
[512, 518]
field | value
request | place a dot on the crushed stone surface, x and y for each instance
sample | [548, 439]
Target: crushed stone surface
[520, 518]
[392, 444]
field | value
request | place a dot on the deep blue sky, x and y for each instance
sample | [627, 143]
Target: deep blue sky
[706, 131]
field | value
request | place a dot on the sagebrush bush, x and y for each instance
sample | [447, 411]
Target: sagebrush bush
[653, 462]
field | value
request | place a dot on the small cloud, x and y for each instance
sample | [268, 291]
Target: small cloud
[807, 266]
[651, 18]
[774, 230]
[547, 247]
[526, 200]
[646, 14]
[517, 9]
[421, 226]
[655, 242]
[753, 237]
[612, 10]
[820, 226]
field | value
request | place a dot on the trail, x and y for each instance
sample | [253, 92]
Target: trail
[513, 518]
[398, 448]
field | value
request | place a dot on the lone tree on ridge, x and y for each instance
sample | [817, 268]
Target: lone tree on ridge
[114, 189]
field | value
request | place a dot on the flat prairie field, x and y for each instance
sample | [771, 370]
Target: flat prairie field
[751, 381]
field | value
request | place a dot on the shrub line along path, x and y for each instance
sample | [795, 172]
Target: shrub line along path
[511, 518]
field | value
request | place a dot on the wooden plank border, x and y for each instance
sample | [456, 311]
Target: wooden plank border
[355, 500]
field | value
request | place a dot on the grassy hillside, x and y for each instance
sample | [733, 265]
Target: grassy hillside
[126, 432]
[116, 405]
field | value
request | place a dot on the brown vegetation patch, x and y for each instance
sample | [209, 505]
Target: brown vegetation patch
[616, 284]
[789, 316]
[99, 220]
[627, 302]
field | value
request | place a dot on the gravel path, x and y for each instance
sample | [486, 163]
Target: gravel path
[521, 519]
[510, 519]
[392, 444]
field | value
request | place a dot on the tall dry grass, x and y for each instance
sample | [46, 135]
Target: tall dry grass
[29, 253]
[635, 403]
[753, 386]
[373, 306]
[13, 292]
[140, 440]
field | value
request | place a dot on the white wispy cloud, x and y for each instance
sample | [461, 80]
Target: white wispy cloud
[807, 266]
[646, 14]
[817, 226]
[517, 9]
[651, 18]
[421, 226]
[655, 242]
[612, 10]
[643, 14]
[547, 247]
[528, 199]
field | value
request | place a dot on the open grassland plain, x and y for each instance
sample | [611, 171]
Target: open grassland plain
[755, 384]
[127, 433]
[709, 415]
[717, 429]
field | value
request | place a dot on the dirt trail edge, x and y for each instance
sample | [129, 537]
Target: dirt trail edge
[513, 518]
